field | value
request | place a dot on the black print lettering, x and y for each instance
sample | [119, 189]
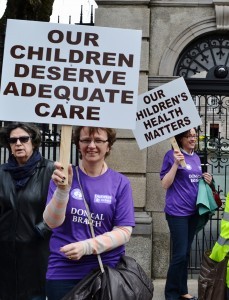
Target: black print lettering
[156, 108]
[73, 38]
[73, 56]
[70, 74]
[65, 93]
[167, 128]
[73, 112]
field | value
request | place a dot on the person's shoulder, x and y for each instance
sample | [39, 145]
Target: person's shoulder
[114, 172]
[118, 175]
[196, 156]
[169, 152]
[2, 166]
[47, 163]
[3, 170]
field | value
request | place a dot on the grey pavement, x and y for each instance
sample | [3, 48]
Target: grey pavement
[159, 285]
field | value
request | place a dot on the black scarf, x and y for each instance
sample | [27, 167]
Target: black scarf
[21, 174]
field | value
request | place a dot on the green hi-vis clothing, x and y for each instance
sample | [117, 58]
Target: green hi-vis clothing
[221, 247]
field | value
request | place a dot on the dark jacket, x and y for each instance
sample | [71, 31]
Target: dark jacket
[24, 238]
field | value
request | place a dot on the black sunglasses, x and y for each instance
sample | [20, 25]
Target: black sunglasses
[22, 139]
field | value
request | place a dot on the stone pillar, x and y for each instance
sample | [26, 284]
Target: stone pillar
[140, 245]
[126, 156]
[222, 14]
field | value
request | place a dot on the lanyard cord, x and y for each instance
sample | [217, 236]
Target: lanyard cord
[90, 220]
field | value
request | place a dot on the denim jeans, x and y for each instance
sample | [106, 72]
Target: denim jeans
[57, 289]
[182, 231]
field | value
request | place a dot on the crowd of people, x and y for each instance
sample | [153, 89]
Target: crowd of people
[46, 246]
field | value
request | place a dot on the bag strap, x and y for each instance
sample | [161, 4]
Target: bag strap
[89, 219]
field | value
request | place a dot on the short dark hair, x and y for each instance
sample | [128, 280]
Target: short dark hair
[31, 129]
[111, 136]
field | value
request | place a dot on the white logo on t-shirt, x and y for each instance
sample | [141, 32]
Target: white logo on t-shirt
[188, 167]
[102, 199]
[76, 194]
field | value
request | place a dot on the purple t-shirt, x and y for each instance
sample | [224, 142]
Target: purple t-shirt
[182, 194]
[110, 201]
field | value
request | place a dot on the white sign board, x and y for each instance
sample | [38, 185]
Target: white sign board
[70, 74]
[164, 112]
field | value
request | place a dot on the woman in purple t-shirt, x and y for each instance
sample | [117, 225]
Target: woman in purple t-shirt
[181, 186]
[73, 251]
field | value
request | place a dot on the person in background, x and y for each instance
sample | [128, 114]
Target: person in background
[221, 247]
[24, 237]
[109, 197]
[181, 186]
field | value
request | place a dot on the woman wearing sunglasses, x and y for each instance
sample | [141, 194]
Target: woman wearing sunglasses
[24, 237]
[73, 251]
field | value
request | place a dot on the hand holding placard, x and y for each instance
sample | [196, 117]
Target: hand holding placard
[176, 147]
[65, 149]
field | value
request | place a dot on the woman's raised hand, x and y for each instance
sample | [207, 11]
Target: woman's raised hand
[58, 176]
[178, 156]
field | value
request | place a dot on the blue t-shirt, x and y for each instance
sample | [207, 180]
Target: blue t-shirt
[181, 196]
[109, 197]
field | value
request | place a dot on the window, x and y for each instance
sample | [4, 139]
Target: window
[214, 130]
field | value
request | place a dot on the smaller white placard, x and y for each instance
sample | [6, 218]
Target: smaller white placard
[164, 112]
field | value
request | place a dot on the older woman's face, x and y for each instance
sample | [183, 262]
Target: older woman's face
[21, 149]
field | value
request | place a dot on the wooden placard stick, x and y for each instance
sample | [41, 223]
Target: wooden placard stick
[176, 147]
[65, 149]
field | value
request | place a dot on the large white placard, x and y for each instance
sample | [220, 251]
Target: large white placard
[70, 74]
[164, 112]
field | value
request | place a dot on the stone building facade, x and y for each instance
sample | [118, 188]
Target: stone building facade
[167, 28]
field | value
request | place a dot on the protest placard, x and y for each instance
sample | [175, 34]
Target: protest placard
[70, 75]
[164, 112]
